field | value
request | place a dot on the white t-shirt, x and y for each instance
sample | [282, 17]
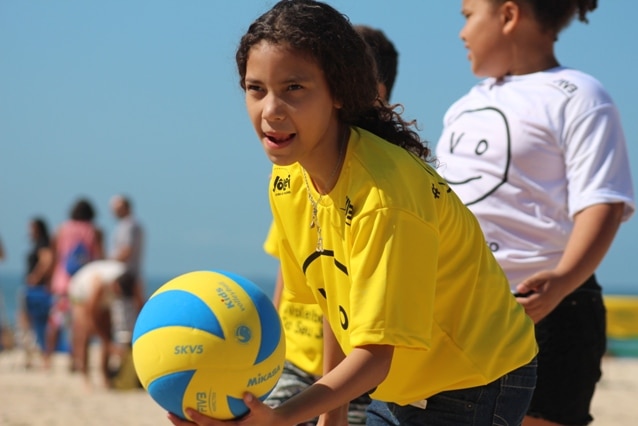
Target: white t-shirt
[83, 281]
[526, 153]
[129, 234]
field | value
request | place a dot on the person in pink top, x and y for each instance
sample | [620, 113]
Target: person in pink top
[77, 231]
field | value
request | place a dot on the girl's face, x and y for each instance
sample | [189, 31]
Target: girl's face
[290, 105]
[483, 37]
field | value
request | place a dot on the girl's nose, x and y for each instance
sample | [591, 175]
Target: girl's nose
[273, 108]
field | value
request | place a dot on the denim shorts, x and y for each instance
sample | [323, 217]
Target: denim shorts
[503, 402]
[572, 342]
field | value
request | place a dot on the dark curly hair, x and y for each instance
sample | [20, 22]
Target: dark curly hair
[82, 210]
[42, 230]
[320, 32]
[556, 15]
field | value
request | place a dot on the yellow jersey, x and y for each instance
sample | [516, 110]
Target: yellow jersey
[302, 323]
[404, 263]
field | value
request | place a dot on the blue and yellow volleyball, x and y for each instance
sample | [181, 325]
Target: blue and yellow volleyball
[205, 338]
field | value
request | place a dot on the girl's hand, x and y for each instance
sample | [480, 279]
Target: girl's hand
[258, 414]
[544, 291]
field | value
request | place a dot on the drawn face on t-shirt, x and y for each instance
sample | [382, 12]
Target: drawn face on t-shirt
[478, 152]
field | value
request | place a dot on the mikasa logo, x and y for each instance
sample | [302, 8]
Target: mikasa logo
[260, 378]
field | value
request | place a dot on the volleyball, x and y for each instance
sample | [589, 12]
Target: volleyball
[205, 338]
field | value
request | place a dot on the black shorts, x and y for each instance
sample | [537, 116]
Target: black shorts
[572, 342]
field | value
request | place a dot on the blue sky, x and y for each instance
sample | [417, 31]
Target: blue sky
[142, 97]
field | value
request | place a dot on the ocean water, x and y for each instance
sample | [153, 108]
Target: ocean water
[11, 285]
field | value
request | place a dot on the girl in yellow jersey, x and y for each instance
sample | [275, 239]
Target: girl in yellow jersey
[419, 311]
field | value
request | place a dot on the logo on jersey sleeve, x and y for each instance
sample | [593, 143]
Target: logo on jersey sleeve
[479, 160]
[566, 86]
[281, 185]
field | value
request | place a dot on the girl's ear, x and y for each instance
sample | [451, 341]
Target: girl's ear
[510, 12]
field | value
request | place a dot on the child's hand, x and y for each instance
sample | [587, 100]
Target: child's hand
[259, 414]
[540, 294]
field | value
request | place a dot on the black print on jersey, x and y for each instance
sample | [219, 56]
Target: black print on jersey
[343, 315]
[497, 147]
[436, 192]
[566, 85]
[281, 186]
[343, 318]
[317, 254]
[349, 209]
[443, 185]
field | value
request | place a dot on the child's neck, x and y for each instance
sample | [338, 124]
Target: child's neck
[325, 185]
[531, 54]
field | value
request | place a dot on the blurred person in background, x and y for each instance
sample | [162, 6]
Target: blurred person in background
[35, 300]
[79, 230]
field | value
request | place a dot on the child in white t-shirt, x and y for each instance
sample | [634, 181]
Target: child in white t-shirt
[537, 152]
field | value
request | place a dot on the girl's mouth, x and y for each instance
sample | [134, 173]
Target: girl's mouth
[280, 139]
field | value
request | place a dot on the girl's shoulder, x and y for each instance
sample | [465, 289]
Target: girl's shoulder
[576, 83]
[560, 85]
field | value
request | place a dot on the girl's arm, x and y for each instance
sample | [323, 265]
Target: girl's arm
[99, 244]
[594, 230]
[332, 356]
[363, 369]
[139, 293]
[92, 302]
[279, 286]
[43, 268]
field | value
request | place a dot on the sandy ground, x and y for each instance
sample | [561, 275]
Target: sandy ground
[36, 397]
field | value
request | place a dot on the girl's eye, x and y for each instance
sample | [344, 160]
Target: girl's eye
[253, 88]
[292, 87]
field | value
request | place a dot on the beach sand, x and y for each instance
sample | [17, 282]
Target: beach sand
[36, 397]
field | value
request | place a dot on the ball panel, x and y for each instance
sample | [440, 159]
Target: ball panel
[236, 406]
[240, 316]
[270, 321]
[167, 391]
[217, 390]
[170, 349]
[176, 307]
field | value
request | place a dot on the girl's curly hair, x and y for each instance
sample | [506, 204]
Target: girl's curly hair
[555, 15]
[323, 34]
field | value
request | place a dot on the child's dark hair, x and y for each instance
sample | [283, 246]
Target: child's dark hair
[385, 54]
[82, 210]
[555, 15]
[42, 230]
[319, 31]
[126, 282]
